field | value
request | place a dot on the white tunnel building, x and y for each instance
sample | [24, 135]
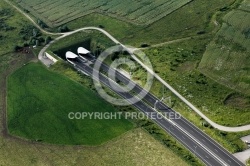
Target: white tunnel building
[82, 50]
[70, 55]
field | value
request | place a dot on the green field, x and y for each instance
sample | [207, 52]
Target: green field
[227, 59]
[124, 150]
[46, 100]
[145, 12]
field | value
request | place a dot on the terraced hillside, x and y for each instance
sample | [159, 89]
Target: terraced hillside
[227, 58]
[58, 12]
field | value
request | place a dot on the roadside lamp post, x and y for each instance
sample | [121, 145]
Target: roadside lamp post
[155, 104]
[163, 92]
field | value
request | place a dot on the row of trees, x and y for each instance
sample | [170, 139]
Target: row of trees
[41, 24]
[6, 12]
[63, 28]
[4, 26]
[40, 40]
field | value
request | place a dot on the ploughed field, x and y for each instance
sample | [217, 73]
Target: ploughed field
[58, 12]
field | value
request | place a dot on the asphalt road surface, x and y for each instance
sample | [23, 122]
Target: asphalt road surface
[182, 122]
[200, 144]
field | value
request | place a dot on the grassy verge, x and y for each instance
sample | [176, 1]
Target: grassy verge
[230, 141]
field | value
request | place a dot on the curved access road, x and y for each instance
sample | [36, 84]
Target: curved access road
[47, 62]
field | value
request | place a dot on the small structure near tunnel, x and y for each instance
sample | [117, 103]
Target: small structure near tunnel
[47, 55]
[84, 53]
[70, 56]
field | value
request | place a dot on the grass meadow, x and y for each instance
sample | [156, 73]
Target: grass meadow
[39, 102]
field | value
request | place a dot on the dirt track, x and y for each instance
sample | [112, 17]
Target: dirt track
[12, 66]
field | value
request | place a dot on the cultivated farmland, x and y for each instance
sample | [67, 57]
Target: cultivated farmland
[58, 12]
[227, 58]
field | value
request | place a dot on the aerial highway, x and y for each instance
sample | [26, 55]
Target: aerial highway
[184, 123]
[48, 62]
[200, 144]
[205, 148]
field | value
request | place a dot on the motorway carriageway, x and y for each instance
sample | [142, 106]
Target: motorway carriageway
[200, 144]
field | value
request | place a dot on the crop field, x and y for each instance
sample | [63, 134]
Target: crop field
[53, 97]
[58, 12]
[227, 57]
